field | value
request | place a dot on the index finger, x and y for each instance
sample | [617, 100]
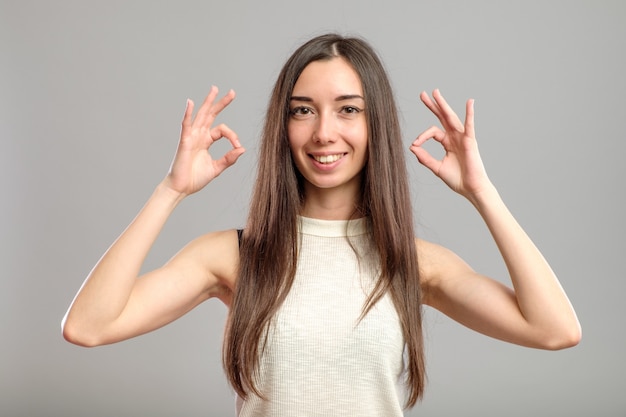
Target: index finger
[223, 131]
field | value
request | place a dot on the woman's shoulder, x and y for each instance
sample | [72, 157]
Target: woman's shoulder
[217, 253]
[431, 253]
[437, 264]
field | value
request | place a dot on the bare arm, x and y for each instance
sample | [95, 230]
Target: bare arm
[536, 311]
[114, 303]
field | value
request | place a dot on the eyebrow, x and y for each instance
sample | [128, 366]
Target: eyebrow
[339, 98]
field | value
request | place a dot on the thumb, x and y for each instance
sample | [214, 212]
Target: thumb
[425, 158]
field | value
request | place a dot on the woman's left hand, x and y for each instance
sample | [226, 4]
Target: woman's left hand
[461, 168]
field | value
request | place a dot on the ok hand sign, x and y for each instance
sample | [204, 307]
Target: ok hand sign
[461, 168]
[193, 166]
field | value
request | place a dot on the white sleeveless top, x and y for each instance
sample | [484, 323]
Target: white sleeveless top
[320, 360]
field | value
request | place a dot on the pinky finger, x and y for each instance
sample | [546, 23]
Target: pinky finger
[187, 115]
[469, 118]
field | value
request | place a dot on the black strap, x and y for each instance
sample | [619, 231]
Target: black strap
[239, 236]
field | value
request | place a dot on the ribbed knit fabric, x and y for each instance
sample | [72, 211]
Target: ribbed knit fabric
[321, 360]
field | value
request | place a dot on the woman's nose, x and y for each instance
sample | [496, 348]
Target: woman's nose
[325, 129]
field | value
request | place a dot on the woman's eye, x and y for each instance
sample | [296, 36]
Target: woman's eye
[351, 110]
[300, 111]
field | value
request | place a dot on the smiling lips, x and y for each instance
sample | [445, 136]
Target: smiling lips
[327, 159]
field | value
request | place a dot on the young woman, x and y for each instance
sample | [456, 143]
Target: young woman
[325, 283]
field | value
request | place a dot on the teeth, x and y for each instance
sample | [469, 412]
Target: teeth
[327, 159]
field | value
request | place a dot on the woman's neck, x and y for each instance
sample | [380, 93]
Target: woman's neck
[330, 204]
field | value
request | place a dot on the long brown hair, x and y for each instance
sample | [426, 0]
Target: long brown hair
[268, 251]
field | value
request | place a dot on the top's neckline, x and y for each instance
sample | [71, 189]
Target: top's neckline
[332, 228]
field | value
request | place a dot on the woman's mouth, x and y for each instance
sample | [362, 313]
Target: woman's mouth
[327, 159]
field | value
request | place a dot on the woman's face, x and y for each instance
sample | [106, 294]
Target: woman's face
[327, 127]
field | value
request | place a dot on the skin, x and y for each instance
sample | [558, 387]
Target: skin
[328, 119]
[115, 303]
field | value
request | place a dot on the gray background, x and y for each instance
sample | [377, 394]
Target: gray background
[91, 97]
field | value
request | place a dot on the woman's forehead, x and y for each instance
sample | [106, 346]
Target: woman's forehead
[335, 76]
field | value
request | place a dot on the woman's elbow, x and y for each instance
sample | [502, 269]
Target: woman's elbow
[566, 338]
[73, 334]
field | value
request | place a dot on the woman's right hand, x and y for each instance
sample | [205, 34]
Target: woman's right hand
[193, 166]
